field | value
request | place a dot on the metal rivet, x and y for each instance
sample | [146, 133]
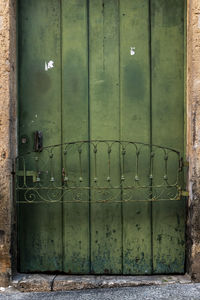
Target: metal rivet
[122, 178]
[95, 149]
[152, 154]
[136, 178]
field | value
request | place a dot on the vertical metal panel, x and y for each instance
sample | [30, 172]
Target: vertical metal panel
[167, 41]
[106, 241]
[75, 127]
[135, 125]
[40, 226]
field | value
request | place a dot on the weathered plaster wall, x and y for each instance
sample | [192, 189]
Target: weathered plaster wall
[193, 100]
[7, 131]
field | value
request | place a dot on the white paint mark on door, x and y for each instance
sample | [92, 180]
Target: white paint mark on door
[132, 51]
[199, 21]
[49, 65]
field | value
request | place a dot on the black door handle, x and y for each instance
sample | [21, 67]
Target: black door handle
[38, 141]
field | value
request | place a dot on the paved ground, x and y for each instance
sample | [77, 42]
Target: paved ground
[168, 292]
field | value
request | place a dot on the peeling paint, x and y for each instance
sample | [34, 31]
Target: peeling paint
[49, 65]
[132, 51]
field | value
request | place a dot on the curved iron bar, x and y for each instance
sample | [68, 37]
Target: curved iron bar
[142, 182]
[103, 141]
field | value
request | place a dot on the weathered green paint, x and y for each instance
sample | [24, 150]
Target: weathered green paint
[106, 237]
[135, 125]
[97, 90]
[75, 127]
[168, 127]
[39, 227]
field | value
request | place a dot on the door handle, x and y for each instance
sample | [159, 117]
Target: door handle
[38, 141]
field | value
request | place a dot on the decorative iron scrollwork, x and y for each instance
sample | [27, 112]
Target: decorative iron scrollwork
[99, 171]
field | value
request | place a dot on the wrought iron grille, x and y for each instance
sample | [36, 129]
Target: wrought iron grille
[99, 171]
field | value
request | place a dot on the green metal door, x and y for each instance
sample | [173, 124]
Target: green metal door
[101, 136]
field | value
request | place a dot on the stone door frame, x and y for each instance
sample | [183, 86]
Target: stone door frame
[8, 138]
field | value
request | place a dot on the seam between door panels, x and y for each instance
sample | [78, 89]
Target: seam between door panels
[150, 127]
[89, 156]
[61, 134]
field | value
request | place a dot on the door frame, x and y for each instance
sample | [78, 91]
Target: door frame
[8, 136]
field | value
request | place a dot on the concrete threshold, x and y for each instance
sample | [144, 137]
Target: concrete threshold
[47, 283]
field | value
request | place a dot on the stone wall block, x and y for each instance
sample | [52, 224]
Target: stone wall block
[7, 120]
[193, 137]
